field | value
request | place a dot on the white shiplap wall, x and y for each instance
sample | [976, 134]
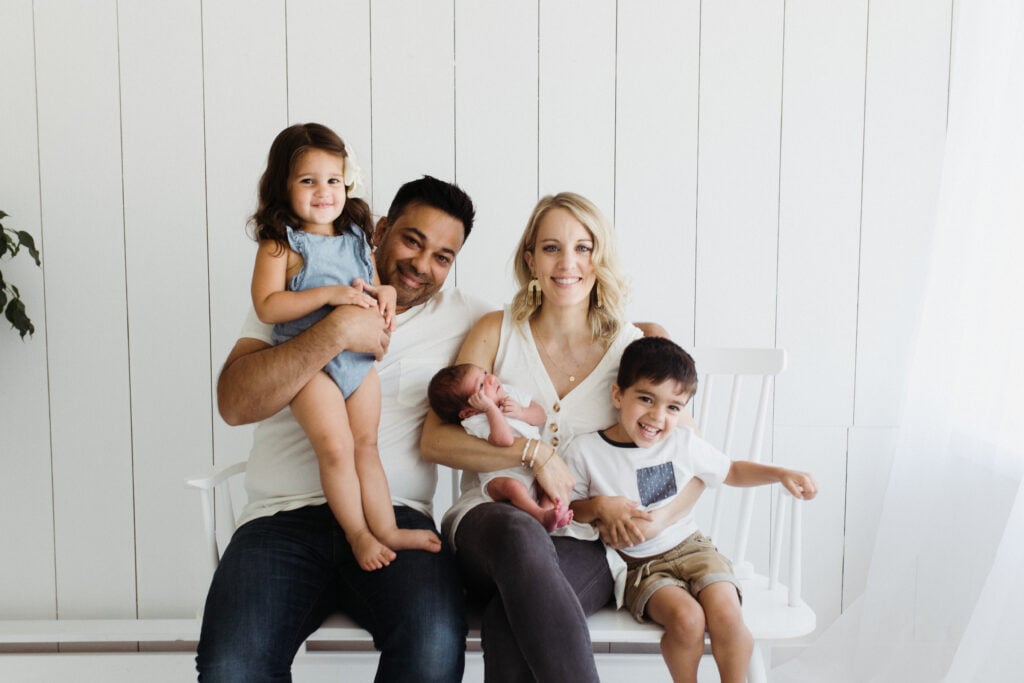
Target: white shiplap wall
[771, 168]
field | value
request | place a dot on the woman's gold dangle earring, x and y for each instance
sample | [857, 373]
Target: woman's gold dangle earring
[597, 295]
[534, 290]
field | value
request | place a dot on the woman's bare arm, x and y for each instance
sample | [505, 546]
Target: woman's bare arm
[450, 445]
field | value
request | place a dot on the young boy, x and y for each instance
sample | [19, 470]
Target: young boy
[487, 409]
[676, 577]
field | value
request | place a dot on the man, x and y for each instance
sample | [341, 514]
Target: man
[288, 566]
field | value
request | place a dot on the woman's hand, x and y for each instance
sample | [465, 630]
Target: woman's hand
[551, 472]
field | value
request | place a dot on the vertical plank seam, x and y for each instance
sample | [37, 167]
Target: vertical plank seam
[860, 216]
[615, 121]
[455, 109]
[49, 386]
[127, 306]
[536, 193]
[772, 512]
[369, 31]
[696, 175]
[778, 195]
[856, 321]
[287, 71]
[206, 215]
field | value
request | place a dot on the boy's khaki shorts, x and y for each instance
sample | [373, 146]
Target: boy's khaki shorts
[693, 565]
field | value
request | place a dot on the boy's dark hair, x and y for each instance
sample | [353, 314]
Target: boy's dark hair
[443, 392]
[438, 194]
[657, 359]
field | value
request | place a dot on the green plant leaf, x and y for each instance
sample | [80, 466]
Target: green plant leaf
[11, 305]
[30, 244]
[15, 313]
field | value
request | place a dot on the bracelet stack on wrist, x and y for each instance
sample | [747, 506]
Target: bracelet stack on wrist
[526, 447]
[533, 455]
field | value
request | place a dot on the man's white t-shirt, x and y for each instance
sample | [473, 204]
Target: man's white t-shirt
[283, 473]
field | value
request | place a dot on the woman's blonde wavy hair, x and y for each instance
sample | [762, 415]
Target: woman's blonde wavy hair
[606, 319]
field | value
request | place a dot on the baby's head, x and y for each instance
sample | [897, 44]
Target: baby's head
[656, 380]
[451, 387]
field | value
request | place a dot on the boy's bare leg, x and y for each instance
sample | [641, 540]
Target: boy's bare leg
[731, 642]
[364, 415]
[321, 411]
[514, 491]
[682, 646]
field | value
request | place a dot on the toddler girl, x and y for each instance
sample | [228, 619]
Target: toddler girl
[313, 229]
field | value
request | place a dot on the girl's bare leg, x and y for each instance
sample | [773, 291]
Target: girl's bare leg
[731, 642]
[364, 416]
[320, 409]
[683, 643]
[552, 514]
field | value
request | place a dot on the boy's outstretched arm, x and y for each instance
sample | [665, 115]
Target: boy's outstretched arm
[746, 473]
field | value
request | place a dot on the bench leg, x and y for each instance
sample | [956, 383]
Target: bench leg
[758, 667]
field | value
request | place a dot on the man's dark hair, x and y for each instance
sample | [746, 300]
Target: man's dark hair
[438, 194]
[443, 392]
[657, 359]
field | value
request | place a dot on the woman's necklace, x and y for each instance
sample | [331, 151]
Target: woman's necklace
[567, 360]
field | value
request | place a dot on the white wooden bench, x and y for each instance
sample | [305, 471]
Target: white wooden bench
[774, 612]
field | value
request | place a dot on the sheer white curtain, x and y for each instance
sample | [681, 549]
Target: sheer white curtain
[944, 599]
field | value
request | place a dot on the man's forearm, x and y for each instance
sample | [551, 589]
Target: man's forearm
[259, 380]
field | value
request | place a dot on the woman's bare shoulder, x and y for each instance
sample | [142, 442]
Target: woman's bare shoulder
[481, 343]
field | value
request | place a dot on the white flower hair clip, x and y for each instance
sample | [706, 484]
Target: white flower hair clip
[354, 188]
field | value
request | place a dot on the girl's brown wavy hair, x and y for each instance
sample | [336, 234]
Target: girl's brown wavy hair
[274, 209]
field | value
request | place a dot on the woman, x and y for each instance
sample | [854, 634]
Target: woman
[560, 340]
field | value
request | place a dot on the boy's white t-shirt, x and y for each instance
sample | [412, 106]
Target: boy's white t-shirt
[283, 473]
[652, 476]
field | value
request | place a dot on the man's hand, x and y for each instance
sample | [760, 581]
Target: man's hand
[361, 330]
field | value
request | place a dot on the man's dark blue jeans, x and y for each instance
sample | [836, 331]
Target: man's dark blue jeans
[281, 576]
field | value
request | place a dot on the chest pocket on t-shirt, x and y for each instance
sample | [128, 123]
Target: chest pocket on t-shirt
[656, 483]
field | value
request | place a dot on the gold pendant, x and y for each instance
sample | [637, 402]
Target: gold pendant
[572, 378]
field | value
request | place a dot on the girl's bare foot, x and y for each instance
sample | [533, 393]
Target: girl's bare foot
[413, 539]
[370, 553]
